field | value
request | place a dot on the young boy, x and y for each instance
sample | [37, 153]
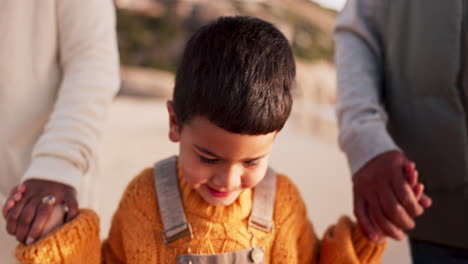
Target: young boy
[218, 201]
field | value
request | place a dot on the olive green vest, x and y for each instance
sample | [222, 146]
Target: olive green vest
[424, 51]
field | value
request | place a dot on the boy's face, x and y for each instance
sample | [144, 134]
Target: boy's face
[216, 163]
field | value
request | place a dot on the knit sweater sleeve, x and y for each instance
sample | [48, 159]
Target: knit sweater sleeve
[345, 243]
[75, 242]
[296, 242]
[78, 241]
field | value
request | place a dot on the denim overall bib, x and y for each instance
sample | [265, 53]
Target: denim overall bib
[176, 226]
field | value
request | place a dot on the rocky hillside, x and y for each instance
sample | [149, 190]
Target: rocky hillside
[152, 33]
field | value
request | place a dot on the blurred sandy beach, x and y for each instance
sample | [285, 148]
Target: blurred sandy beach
[136, 137]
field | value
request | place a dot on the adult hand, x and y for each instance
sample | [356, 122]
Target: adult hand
[384, 200]
[15, 196]
[26, 220]
[418, 188]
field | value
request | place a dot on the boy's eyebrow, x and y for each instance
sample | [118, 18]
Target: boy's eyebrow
[201, 149]
[259, 157]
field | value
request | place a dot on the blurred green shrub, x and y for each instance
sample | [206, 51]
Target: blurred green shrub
[158, 42]
[149, 41]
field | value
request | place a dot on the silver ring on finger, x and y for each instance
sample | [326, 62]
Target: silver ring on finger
[49, 199]
[65, 208]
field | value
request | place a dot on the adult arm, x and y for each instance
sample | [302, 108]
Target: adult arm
[383, 199]
[68, 147]
[362, 119]
[88, 56]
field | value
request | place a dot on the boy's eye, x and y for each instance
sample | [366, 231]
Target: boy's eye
[250, 163]
[207, 160]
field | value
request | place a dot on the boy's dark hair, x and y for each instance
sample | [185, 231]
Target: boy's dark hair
[237, 72]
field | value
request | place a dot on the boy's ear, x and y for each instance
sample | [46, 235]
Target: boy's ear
[174, 135]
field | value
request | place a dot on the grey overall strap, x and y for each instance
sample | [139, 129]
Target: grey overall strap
[169, 200]
[261, 216]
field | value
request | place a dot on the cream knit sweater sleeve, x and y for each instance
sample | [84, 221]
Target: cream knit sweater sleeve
[88, 56]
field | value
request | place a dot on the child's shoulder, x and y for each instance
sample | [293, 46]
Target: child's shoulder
[288, 199]
[141, 184]
[285, 188]
[142, 179]
[140, 194]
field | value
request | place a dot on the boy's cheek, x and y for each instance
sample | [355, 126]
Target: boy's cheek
[195, 172]
[194, 178]
[254, 177]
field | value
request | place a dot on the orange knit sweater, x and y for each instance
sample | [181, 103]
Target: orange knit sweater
[136, 232]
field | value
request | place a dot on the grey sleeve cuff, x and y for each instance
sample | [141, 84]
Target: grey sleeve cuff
[364, 143]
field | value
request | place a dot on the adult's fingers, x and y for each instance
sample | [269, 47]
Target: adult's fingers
[393, 210]
[26, 218]
[383, 223]
[16, 194]
[13, 191]
[411, 173]
[379, 235]
[425, 201]
[7, 207]
[55, 220]
[72, 208]
[64, 194]
[404, 194]
[42, 216]
[14, 214]
[19, 191]
[418, 191]
[360, 211]
[10, 202]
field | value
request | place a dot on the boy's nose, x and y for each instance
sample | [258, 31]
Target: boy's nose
[229, 179]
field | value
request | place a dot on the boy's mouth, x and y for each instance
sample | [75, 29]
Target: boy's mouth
[216, 193]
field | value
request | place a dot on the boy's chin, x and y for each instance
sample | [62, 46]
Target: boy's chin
[217, 201]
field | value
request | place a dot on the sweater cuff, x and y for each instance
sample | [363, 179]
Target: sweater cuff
[363, 144]
[367, 250]
[54, 169]
[67, 244]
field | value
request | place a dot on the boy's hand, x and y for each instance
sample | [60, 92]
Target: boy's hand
[384, 200]
[28, 218]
